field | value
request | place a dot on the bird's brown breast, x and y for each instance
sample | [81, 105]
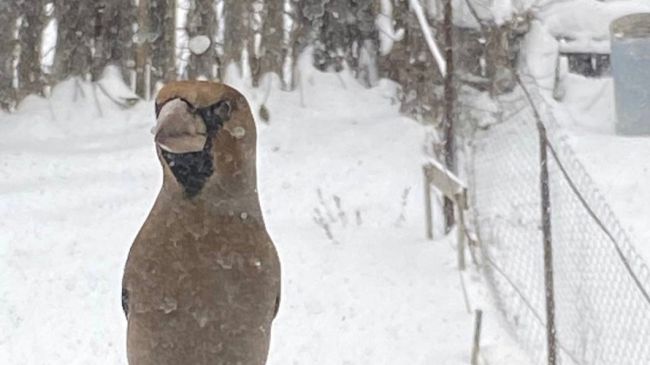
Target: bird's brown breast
[207, 288]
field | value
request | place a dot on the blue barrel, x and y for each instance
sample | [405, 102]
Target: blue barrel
[631, 71]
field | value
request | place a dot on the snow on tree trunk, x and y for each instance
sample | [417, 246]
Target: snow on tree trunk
[8, 15]
[348, 36]
[332, 48]
[113, 35]
[202, 21]
[254, 40]
[411, 64]
[499, 63]
[73, 55]
[306, 20]
[366, 39]
[393, 55]
[30, 76]
[163, 25]
[299, 38]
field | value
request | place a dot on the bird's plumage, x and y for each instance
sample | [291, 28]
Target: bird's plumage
[202, 280]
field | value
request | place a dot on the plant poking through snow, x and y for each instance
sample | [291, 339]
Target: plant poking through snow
[330, 213]
[402, 211]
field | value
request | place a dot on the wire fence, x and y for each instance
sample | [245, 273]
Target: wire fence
[602, 309]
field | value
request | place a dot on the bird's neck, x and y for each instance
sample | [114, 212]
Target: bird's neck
[235, 197]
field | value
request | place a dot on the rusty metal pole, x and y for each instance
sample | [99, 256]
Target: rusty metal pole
[548, 247]
[450, 99]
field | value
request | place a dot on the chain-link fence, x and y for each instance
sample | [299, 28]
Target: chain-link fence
[602, 313]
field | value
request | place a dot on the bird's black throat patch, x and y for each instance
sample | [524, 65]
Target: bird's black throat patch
[193, 169]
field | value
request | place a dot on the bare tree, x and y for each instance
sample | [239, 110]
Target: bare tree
[113, 34]
[307, 19]
[253, 46]
[363, 56]
[236, 18]
[202, 21]
[274, 48]
[8, 15]
[73, 56]
[163, 24]
[299, 37]
[412, 66]
[143, 50]
[30, 75]
[348, 36]
[392, 65]
[333, 46]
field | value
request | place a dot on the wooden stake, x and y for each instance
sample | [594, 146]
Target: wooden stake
[478, 318]
[427, 202]
[461, 231]
[147, 81]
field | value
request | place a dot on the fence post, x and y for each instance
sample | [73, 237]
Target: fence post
[427, 202]
[461, 206]
[450, 98]
[548, 248]
[477, 336]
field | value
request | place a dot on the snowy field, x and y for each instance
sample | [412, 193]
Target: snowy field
[340, 181]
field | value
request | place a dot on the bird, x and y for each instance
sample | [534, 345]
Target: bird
[201, 282]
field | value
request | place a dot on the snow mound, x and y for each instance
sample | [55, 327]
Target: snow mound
[584, 24]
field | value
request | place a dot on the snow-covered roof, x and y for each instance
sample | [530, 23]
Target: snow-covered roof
[583, 25]
[495, 11]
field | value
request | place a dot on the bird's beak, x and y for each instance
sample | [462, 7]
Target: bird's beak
[178, 130]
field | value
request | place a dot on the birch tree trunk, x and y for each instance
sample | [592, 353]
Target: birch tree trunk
[202, 21]
[254, 14]
[143, 49]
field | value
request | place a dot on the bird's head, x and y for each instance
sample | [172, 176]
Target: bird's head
[205, 137]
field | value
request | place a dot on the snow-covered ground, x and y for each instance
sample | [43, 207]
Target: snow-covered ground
[618, 165]
[341, 187]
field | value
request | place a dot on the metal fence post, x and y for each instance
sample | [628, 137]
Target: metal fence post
[450, 99]
[548, 248]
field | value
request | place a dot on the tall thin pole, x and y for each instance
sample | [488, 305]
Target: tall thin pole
[450, 98]
[143, 47]
[427, 202]
[548, 248]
